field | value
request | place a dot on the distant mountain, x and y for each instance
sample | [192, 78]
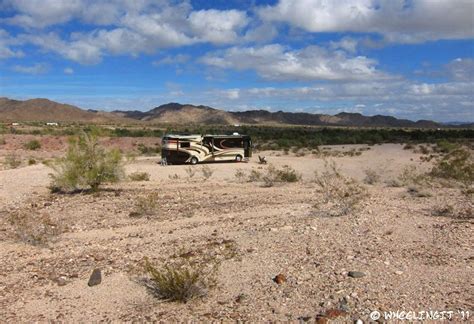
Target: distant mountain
[187, 114]
[175, 113]
[49, 111]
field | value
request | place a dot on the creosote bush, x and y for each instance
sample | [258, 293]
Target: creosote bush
[179, 282]
[285, 174]
[457, 165]
[340, 195]
[86, 165]
[139, 176]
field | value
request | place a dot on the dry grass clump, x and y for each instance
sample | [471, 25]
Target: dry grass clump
[32, 145]
[146, 205]
[410, 175]
[12, 161]
[190, 171]
[207, 172]
[33, 228]
[371, 177]
[340, 195]
[180, 282]
[139, 176]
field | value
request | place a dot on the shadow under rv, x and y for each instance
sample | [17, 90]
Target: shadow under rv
[193, 149]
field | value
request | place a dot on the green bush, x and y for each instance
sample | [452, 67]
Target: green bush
[457, 165]
[32, 145]
[146, 205]
[286, 174]
[86, 165]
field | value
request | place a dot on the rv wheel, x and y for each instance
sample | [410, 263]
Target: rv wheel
[194, 160]
[238, 158]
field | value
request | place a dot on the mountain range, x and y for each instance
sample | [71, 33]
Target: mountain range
[45, 110]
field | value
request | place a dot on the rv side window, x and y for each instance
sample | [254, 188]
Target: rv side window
[232, 142]
[185, 144]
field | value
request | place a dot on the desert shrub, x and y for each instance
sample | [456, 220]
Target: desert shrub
[286, 174]
[173, 176]
[255, 176]
[408, 146]
[190, 171]
[12, 161]
[31, 161]
[340, 195]
[416, 191]
[457, 165]
[148, 150]
[394, 183]
[179, 282]
[139, 176]
[86, 165]
[32, 145]
[2, 140]
[371, 177]
[33, 228]
[410, 175]
[207, 172]
[240, 175]
[444, 146]
[145, 205]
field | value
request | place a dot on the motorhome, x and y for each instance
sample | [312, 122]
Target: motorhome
[193, 149]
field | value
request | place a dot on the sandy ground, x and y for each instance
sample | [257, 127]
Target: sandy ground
[410, 259]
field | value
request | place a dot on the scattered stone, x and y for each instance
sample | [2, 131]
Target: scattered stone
[359, 321]
[304, 318]
[279, 279]
[398, 272]
[95, 278]
[355, 274]
[241, 298]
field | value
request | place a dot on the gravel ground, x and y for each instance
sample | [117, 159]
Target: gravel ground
[389, 253]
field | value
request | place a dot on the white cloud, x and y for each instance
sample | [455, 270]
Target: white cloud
[132, 27]
[398, 20]
[171, 60]
[461, 69]
[68, 70]
[6, 46]
[275, 62]
[38, 68]
[218, 27]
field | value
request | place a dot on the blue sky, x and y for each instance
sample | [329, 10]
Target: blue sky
[408, 58]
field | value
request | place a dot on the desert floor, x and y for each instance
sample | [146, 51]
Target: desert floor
[410, 259]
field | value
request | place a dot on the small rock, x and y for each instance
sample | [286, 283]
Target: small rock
[61, 281]
[241, 298]
[95, 278]
[46, 204]
[359, 321]
[355, 274]
[279, 279]
[398, 272]
[304, 318]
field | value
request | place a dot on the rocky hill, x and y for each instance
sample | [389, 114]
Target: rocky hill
[187, 114]
[50, 111]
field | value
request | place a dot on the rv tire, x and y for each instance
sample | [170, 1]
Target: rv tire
[194, 160]
[238, 158]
